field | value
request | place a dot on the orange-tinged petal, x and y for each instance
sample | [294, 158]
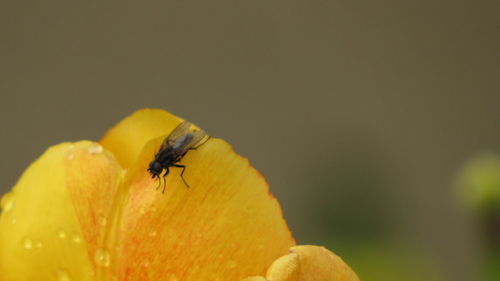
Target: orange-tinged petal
[305, 263]
[93, 176]
[226, 226]
[254, 278]
[128, 137]
[41, 234]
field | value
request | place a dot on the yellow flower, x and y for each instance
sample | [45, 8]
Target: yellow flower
[90, 211]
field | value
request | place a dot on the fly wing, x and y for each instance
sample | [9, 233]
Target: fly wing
[188, 141]
[198, 136]
[179, 131]
[183, 137]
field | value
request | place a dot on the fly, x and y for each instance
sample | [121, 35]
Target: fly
[182, 139]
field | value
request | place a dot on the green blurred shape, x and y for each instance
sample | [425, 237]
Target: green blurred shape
[479, 183]
[491, 268]
[389, 261]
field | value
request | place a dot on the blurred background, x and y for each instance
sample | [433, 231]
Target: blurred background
[372, 120]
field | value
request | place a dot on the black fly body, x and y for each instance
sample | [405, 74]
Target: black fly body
[182, 139]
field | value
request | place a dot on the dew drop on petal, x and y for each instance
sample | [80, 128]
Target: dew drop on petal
[76, 238]
[62, 275]
[27, 243]
[7, 202]
[70, 156]
[39, 244]
[102, 258]
[61, 234]
[94, 149]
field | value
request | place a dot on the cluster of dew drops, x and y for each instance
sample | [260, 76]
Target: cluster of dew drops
[7, 203]
[101, 257]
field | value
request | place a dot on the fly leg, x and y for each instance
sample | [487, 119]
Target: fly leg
[164, 179]
[182, 173]
[159, 183]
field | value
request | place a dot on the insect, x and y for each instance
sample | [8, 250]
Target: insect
[182, 139]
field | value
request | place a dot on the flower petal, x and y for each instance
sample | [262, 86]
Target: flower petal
[286, 268]
[93, 176]
[310, 263]
[41, 235]
[224, 227]
[254, 278]
[127, 138]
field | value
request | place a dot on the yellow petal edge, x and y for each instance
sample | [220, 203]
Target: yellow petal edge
[306, 263]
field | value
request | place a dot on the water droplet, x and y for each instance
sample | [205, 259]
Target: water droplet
[62, 275]
[76, 238]
[39, 244]
[103, 221]
[27, 243]
[152, 234]
[102, 258]
[232, 264]
[7, 202]
[94, 149]
[70, 156]
[61, 234]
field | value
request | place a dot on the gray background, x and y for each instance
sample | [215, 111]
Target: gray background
[359, 113]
